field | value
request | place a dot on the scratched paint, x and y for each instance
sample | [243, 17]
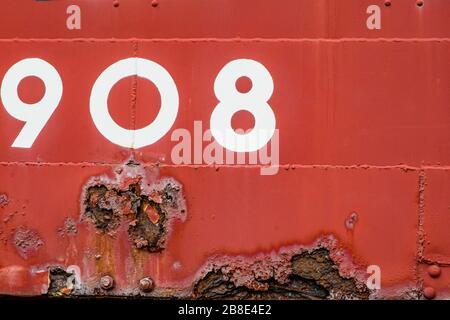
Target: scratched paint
[362, 111]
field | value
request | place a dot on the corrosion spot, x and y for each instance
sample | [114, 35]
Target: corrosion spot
[27, 242]
[148, 228]
[318, 267]
[69, 228]
[3, 200]
[307, 275]
[102, 207]
[61, 282]
[351, 221]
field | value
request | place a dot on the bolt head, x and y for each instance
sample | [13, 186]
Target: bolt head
[434, 271]
[429, 293]
[146, 284]
[107, 282]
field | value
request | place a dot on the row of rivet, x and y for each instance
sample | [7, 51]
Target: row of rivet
[145, 284]
[434, 271]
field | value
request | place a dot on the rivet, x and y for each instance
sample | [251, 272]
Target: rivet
[116, 3]
[434, 271]
[387, 3]
[107, 282]
[429, 293]
[146, 284]
[419, 3]
[154, 3]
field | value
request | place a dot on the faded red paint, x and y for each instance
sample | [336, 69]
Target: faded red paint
[364, 142]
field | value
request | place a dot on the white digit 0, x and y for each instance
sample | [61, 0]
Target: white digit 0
[36, 114]
[232, 101]
[99, 102]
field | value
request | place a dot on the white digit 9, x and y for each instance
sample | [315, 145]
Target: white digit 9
[232, 101]
[36, 114]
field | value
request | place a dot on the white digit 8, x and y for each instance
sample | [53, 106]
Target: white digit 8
[36, 114]
[232, 101]
[99, 102]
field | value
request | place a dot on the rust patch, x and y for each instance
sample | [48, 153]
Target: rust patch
[103, 208]
[144, 209]
[3, 200]
[69, 228]
[147, 229]
[60, 281]
[306, 275]
[27, 242]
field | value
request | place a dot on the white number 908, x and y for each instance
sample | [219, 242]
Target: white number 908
[36, 115]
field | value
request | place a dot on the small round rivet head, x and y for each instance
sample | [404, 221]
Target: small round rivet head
[116, 3]
[429, 293]
[146, 284]
[419, 3]
[107, 283]
[387, 3]
[434, 271]
[154, 3]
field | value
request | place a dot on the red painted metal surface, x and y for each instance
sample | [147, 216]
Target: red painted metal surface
[364, 150]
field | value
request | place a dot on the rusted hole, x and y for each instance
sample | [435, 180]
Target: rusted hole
[148, 228]
[60, 282]
[312, 275]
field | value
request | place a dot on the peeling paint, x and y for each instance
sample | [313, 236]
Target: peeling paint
[294, 274]
[145, 207]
